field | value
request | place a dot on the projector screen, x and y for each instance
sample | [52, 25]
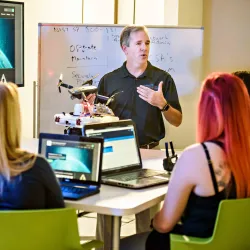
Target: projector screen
[12, 42]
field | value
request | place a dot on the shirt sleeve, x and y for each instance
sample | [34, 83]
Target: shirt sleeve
[171, 94]
[101, 86]
[54, 197]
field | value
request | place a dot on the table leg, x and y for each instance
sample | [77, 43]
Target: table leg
[115, 232]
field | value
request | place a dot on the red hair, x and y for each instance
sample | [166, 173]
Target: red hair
[224, 114]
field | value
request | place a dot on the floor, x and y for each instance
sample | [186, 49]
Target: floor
[87, 226]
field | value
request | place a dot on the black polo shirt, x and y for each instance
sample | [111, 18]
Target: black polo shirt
[128, 104]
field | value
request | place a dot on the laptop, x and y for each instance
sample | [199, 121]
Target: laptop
[122, 165]
[76, 162]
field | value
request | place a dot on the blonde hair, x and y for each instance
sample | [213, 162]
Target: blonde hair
[13, 160]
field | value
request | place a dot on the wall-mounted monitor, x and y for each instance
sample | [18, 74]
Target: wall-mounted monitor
[12, 42]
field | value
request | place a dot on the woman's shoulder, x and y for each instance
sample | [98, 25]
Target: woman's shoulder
[197, 149]
[192, 150]
[189, 157]
[41, 160]
[41, 164]
[194, 155]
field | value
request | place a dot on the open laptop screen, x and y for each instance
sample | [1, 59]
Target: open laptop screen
[120, 145]
[72, 158]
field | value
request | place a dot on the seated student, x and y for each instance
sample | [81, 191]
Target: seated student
[215, 168]
[26, 180]
[244, 75]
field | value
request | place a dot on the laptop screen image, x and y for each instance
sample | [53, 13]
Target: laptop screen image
[120, 144]
[72, 157]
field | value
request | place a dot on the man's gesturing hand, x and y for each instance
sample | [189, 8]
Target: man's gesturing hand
[154, 98]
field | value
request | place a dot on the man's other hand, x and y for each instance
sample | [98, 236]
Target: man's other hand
[91, 98]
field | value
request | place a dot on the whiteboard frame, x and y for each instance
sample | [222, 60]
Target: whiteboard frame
[118, 25]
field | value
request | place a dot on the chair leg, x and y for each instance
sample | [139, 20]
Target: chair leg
[81, 213]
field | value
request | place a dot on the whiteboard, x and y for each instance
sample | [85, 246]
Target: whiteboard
[79, 52]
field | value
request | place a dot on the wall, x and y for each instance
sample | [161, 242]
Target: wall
[149, 13]
[171, 12]
[190, 13]
[40, 11]
[98, 11]
[227, 36]
[125, 11]
[165, 12]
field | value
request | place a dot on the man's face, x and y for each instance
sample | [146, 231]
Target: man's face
[138, 49]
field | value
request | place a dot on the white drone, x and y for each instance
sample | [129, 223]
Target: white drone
[84, 112]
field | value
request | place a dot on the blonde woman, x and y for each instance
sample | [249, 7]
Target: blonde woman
[26, 180]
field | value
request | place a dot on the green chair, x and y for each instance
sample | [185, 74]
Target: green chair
[51, 229]
[231, 231]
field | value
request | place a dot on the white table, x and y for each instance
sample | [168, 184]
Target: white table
[115, 201]
[121, 201]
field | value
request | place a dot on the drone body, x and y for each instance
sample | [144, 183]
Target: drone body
[84, 112]
[69, 120]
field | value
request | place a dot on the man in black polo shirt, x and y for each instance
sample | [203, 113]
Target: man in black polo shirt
[145, 91]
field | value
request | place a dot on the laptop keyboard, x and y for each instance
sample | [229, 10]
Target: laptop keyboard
[75, 190]
[142, 173]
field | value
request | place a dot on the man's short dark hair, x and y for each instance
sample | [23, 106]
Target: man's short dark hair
[126, 32]
[244, 75]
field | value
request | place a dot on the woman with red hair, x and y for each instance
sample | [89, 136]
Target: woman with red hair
[214, 169]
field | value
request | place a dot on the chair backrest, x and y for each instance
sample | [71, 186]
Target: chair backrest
[39, 230]
[232, 227]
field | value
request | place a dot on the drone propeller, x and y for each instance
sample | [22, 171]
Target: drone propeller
[60, 83]
[90, 81]
[111, 98]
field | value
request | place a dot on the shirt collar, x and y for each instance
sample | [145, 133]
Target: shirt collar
[147, 72]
